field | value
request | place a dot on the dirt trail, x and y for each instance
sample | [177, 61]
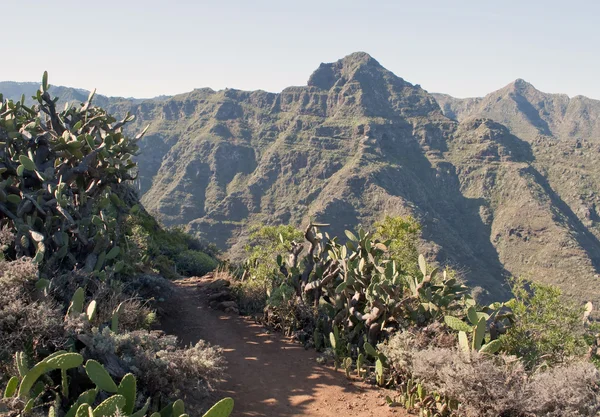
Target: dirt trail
[269, 375]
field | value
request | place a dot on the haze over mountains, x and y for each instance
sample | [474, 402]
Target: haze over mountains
[504, 184]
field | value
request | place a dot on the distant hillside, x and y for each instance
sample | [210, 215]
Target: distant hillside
[14, 90]
[530, 113]
[498, 189]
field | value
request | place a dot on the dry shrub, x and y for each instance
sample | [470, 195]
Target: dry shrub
[250, 298]
[161, 367]
[484, 385]
[567, 390]
[17, 273]
[136, 314]
[25, 324]
[401, 347]
[151, 287]
[291, 318]
[7, 237]
[492, 386]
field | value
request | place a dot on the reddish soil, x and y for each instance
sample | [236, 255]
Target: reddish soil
[268, 374]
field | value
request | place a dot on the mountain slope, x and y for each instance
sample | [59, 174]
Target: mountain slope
[564, 136]
[358, 142]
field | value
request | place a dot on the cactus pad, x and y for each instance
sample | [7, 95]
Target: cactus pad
[127, 388]
[221, 409]
[65, 361]
[110, 406]
[99, 376]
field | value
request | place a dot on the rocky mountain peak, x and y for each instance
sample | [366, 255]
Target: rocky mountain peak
[340, 72]
[363, 86]
[520, 87]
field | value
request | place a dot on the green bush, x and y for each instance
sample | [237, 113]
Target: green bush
[547, 329]
[403, 235]
[194, 263]
[280, 295]
[171, 252]
[266, 243]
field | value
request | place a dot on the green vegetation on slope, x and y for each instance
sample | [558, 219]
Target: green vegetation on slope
[358, 141]
[521, 198]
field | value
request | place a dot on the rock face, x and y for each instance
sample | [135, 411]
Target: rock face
[506, 184]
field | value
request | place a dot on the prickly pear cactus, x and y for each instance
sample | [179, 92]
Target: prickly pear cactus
[76, 306]
[65, 361]
[100, 376]
[114, 325]
[61, 181]
[178, 408]
[110, 407]
[11, 387]
[362, 289]
[127, 388]
[221, 409]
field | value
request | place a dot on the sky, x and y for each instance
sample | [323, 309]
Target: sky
[142, 49]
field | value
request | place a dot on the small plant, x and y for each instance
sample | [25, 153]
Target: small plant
[414, 396]
[477, 328]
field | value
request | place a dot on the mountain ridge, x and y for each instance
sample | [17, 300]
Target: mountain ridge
[496, 193]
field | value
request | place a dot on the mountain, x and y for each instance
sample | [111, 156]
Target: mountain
[498, 190]
[12, 90]
[564, 136]
[530, 113]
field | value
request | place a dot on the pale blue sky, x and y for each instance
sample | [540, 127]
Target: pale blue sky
[146, 48]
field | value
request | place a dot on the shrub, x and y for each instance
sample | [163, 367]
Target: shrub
[25, 324]
[194, 263]
[149, 287]
[32, 391]
[251, 299]
[162, 368]
[547, 329]
[171, 252]
[7, 237]
[403, 235]
[281, 295]
[484, 385]
[568, 390]
[266, 243]
[490, 386]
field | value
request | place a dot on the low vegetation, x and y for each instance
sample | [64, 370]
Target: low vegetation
[81, 273]
[381, 312]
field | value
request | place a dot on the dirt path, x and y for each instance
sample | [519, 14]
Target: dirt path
[269, 375]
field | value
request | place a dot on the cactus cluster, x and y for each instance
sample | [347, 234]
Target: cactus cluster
[361, 289]
[61, 181]
[31, 387]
